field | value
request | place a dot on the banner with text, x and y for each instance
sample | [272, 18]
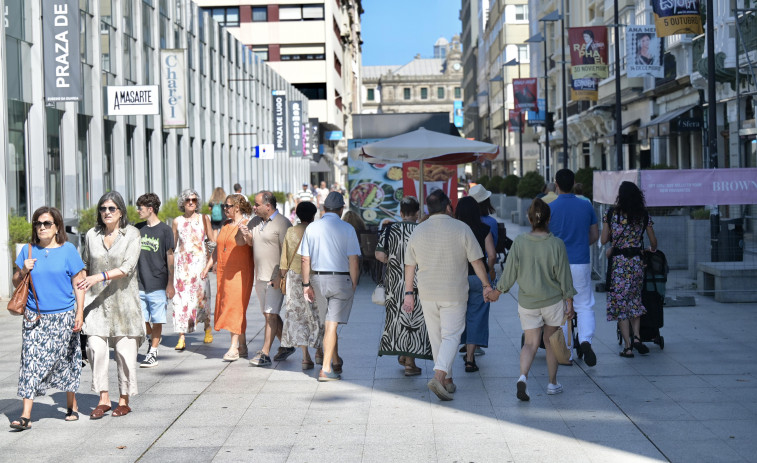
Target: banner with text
[699, 187]
[61, 57]
[643, 52]
[314, 136]
[588, 52]
[538, 117]
[524, 93]
[677, 17]
[515, 120]
[173, 98]
[132, 100]
[584, 89]
[279, 120]
[295, 128]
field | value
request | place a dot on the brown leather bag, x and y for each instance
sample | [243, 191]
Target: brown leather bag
[17, 304]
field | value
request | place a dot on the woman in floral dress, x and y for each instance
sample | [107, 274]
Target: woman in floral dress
[190, 304]
[624, 226]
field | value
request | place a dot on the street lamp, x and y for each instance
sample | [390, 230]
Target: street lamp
[536, 39]
[552, 17]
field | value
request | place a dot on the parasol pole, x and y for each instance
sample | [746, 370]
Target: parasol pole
[421, 193]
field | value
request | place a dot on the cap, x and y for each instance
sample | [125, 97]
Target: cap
[334, 201]
[479, 193]
[305, 184]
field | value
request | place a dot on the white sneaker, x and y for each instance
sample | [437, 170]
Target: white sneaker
[553, 389]
[522, 393]
[151, 360]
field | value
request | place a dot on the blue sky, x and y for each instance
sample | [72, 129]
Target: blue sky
[394, 31]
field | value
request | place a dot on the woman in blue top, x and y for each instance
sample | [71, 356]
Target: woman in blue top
[50, 349]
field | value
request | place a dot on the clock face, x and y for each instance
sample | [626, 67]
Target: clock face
[456, 66]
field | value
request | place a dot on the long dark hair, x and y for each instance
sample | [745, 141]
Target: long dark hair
[630, 201]
[467, 211]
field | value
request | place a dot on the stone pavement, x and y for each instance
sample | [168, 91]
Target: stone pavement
[696, 400]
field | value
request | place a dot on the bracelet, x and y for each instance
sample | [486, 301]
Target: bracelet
[305, 285]
[105, 276]
[409, 293]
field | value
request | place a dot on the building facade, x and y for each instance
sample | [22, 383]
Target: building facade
[67, 154]
[316, 47]
[420, 86]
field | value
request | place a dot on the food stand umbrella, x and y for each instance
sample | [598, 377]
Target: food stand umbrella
[425, 146]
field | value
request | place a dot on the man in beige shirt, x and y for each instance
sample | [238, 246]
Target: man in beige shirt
[266, 233]
[441, 247]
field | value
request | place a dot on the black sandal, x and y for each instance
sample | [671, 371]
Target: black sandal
[627, 353]
[21, 423]
[639, 346]
[72, 415]
[471, 367]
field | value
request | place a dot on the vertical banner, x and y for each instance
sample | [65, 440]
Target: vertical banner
[458, 113]
[644, 52]
[61, 56]
[584, 89]
[295, 129]
[435, 177]
[538, 117]
[515, 120]
[314, 136]
[677, 17]
[524, 92]
[305, 139]
[588, 52]
[279, 120]
[173, 97]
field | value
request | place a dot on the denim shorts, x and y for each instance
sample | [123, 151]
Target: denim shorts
[154, 306]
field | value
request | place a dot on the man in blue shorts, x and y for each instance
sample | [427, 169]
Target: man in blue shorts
[155, 272]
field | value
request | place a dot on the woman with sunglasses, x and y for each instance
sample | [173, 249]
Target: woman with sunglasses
[234, 273]
[50, 349]
[190, 304]
[112, 311]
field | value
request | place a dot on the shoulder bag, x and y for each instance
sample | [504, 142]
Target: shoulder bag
[378, 296]
[209, 244]
[283, 281]
[17, 304]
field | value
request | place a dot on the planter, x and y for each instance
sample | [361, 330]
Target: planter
[522, 207]
[698, 244]
[19, 247]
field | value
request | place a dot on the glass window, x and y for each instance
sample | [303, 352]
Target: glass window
[129, 168]
[106, 11]
[371, 94]
[406, 93]
[424, 93]
[261, 51]
[147, 24]
[225, 16]
[128, 21]
[458, 93]
[440, 93]
[18, 69]
[521, 12]
[82, 162]
[290, 13]
[108, 43]
[312, 11]
[17, 188]
[147, 64]
[259, 13]
[20, 27]
[108, 155]
[148, 160]
[523, 56]
[53, 185]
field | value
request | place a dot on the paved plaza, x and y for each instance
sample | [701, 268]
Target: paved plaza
[694, 401]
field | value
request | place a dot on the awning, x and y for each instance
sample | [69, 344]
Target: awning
[628, 125]
[662, 126]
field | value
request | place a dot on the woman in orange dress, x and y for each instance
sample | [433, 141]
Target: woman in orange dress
[235, 273]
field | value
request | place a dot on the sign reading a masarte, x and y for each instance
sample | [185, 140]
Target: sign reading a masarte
[133, 100]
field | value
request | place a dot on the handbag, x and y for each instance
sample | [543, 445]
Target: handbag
[379, 295]
[17, 304]
[209, 244]
[557, 344]
[283, 282]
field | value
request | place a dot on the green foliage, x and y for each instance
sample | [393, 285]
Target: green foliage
[205, 209]
[700, 214]
[169, 209]
[133, 215]
[280, 196]
[585, 176]
[510, 185]
[19, 231]
[496, 184]
[484, 181]
[530, 185]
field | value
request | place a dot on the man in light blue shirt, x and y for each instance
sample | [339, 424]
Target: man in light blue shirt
[330, 262]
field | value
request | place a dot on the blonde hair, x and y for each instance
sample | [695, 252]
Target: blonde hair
[241, 202]
[218, 195]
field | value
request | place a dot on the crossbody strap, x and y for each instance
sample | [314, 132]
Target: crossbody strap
[34, 292]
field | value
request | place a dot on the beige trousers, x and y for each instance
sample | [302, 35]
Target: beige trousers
[98, 354]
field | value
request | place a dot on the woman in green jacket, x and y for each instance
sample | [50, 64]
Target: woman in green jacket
[538, 261]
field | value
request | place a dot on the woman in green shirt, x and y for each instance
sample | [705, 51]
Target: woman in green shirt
[538, 262]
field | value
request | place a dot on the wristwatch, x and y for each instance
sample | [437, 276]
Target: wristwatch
[305, 285]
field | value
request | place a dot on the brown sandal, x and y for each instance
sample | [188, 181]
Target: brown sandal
[99, 412]
[121, 410]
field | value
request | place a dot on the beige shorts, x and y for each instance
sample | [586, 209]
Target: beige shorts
[552, 315]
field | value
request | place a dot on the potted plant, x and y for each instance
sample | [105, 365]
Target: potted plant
[19, 233]
[529, 186]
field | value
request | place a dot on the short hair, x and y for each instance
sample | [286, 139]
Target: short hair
[589, 32]
[240, 201]
[268, 198]
[409, 205]
[437, 202]
[578, 189]
[642, 34]
[550, 187]
[306, 211]
[354, 219]
[565, 179]
[237, 188]
[185, 195]
[149, 200]
[538, 215]
[118, 200]
[61, 236]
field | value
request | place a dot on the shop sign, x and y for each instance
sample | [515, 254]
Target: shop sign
[174, 82]
[295, 129]
[132, 100]
[60, 36]
[279, 120]
[689, 124]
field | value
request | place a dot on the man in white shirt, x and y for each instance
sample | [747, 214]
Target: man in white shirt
[321, 194]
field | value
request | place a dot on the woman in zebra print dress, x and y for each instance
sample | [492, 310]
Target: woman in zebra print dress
[404, 333]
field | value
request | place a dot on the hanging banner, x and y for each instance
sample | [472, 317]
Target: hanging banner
[515, 120]
[643, 52]
[295, 128]
[698, 187]
[677, 17]
[132, 100]
[588, 52]
[584, 89]
[305, 138]
[173, 98]
[458, 113]
[61, 56]
[524, 92]
[279, 120]
[537, 117]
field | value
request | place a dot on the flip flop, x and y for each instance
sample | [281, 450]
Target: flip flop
[72, 415]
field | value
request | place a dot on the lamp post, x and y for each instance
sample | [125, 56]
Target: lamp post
[564, 92]
[618, 112]
[551, 17]
[536, 39]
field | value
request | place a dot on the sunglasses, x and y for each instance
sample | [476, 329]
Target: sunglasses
[191, 200]
[227, 206]
[45, 224]
[111, 209]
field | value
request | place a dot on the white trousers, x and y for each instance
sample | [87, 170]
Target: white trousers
[445, 322]
[98, 353]
[583, 303]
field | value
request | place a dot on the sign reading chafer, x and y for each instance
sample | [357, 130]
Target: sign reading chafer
[133, 100]
[174, 83]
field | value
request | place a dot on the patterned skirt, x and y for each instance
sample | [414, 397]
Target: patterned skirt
[302, 326]
[50, 355]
